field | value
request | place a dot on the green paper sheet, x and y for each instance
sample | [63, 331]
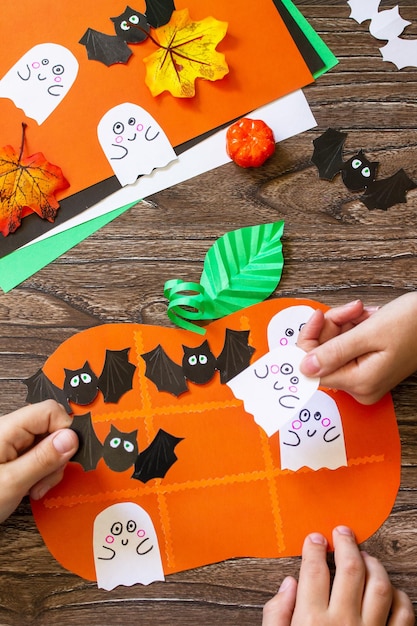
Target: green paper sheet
[316, 41]
[24, 262]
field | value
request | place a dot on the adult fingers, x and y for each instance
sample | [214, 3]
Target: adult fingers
[278, 610]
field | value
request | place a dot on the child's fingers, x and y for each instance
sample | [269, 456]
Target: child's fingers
[278, 610]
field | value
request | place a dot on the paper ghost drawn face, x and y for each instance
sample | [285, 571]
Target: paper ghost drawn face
[273, 389]
[314, 438]
[126, 549]
[285, 326]
[133, 142]
[38, 82]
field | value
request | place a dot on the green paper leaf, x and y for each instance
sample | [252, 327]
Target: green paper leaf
[241, 268]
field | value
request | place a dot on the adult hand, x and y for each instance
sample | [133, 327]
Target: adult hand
[35, 445]
[361, 594]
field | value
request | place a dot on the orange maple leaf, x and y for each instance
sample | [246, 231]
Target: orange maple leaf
[187, 51]
[27, 185]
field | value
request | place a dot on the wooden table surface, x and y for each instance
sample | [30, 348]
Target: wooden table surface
[336, 250]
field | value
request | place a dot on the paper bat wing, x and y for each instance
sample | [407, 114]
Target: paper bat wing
[164, 372]
[117, 375]
[157, 458]
[158, 12]
[41, 388]
[386, 192]
[327, 153]
[90, 449]
[107, 49]
[235, 356]
[361, 10]
[401, 52]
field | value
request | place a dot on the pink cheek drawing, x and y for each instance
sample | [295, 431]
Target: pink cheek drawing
[109, 539]
[119, 139]
[296, 424]
[293, 389]
[274, 369]
[325, 422]
[36, 65]
[283, 341]
[139, 127]
[141, 533]
[57, 79]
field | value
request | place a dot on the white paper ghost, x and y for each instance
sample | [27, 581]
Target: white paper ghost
[41, 78]
[126, 549]
[314, 437]
[133, 142]
[273, 389]
[285, 326]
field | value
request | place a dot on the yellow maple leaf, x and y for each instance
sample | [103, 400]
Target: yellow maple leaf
[187, 51]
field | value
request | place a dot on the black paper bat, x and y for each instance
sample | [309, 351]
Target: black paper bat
[199, 364]
[120, 450]
[131, 27]
[157, 458]
[81, 385]
[107, 49]
[358, 173]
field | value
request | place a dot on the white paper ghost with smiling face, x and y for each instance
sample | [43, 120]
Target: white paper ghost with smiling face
[133, 142]
[126, 549]
[273, 389]
[314, 438]
[40, 79]
[285, 326]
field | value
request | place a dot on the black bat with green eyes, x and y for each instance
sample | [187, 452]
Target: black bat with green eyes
[359, 173]
[82, 385]
[131, 27]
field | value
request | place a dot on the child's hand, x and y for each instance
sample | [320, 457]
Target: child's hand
[361, 594]
[366, 354]
[35, 445]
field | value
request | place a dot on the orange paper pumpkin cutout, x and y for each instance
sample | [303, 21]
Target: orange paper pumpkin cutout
[226, 495]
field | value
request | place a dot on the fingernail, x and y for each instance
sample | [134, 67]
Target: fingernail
[310, 365]
[344, 530]
[286, 583]
[318, 538]
[63, 441]
[371, 309]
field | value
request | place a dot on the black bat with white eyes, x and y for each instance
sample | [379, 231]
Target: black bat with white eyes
[131, 27]
[359, 173]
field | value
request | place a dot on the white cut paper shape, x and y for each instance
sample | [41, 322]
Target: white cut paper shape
[387, 24]
[273, 389]
[401, 52]
[314, 438]
[126, 549]
[361, 10]
[41, 78]
[133, 142]
[285, 326]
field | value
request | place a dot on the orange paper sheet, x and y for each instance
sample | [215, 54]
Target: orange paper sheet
[226, 495]
[264, 64]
